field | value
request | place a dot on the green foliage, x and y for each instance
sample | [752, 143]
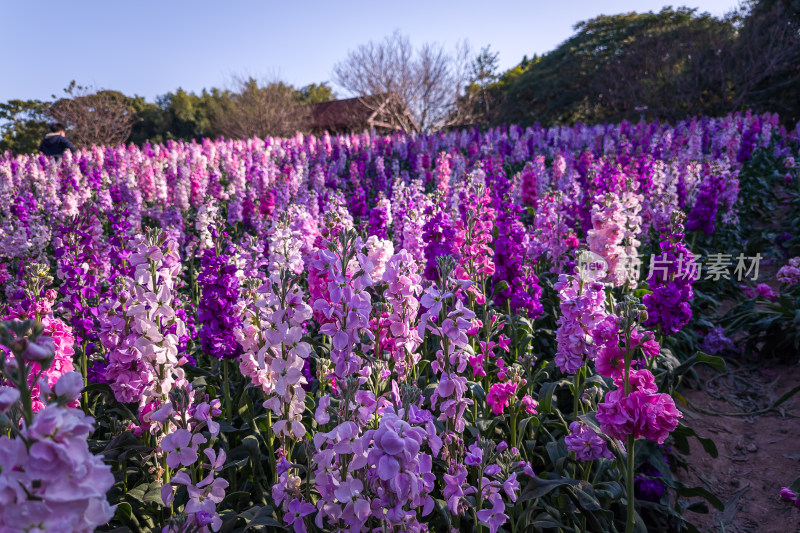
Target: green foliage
[570, 83]
[176, 115]
[23, 123]
[315, 93]
[666, 65]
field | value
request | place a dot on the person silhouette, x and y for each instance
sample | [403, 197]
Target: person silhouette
[56, 143]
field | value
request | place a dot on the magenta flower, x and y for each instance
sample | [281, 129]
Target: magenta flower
[69, 385]
[205, 496]
[41, 349]
[529, 404]
[500, 395]
[788, 495]
[203, 413]
[766, 292]
[453, 491]
[643, 413]
[388, 467]
[503, 342]
[321, 415]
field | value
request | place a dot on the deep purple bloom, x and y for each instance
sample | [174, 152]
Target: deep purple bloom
[216, 314]
[439, 236]
[647, 486]
[670, 280]
[522, 290]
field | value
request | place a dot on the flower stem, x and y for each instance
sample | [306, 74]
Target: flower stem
[84, 373]
[227, 388]
[631, 443]
[513, 424]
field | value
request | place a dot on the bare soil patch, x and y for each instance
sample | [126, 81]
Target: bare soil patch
[758, 453]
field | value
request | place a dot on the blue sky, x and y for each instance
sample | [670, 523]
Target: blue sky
[150, 47]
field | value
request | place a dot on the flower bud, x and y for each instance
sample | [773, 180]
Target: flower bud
[69, 385]
[42, 349]
[8, 397]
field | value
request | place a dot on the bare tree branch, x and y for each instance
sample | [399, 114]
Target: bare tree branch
[253, 110]
[425, 83]
[94, 118]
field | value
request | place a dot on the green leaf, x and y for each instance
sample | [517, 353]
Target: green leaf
[609, 489]
[584, 495]
[523, 425]
[124, 514]
[477, 391]
[556, 450]
[539, 486]
[94, 387]
[197, 371]
[234, 497]
[786, 396]
[229, 519]
[250, 443]
[712, 360]
[265, 517]
[153, 496]
[546, 394]
[138, 492]
[689, 492]
[681, 434]
[487, 427]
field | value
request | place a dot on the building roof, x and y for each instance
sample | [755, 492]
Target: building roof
[338, 114]
[354, 113]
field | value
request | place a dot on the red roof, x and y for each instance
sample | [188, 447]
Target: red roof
[346, 114]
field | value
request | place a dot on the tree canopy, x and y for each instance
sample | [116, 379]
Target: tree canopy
[664, 65]
[249, 108]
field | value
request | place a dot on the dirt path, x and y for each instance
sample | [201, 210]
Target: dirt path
[757, 454]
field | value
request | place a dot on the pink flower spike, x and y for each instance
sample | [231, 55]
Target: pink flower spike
[503, 342]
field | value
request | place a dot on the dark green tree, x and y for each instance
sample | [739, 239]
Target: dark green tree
[315, 93]
[563, 86]
[23, 123]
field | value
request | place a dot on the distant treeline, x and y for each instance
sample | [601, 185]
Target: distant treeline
[666, 66]
[109, 117]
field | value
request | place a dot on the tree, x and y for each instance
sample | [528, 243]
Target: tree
[23, 123]
[668, 61]
[427, 82]
[765, 58]
[674, 63]
[94, 118]
[253, 110]
[673, 69]
[478, 99]
[315, 93]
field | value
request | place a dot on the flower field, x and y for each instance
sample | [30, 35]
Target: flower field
[460, 331]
